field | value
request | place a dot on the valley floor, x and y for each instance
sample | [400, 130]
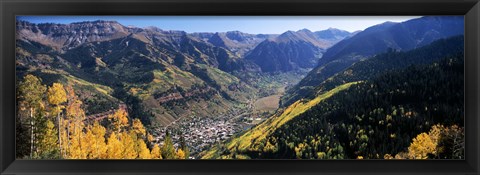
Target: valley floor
[203, 133]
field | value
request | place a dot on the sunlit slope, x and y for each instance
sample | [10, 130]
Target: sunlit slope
[204, 91]
[95, 97]
[254, 136]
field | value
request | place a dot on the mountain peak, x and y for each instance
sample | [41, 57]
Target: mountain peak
[292, 35]
[332, 33]
[333, 29]
[304, 30]
[288, 33]
[153, 28]
[96, 22]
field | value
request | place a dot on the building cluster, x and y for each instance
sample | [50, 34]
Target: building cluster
[201, 133]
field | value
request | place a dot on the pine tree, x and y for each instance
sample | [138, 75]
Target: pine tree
[184, 147]
[31, 93]
[168, 151]
[48, 147]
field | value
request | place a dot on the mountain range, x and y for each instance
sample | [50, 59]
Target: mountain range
[340, 92]
[155, 68]
[294, 50]
[402, 36]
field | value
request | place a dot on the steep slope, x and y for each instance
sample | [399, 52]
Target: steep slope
[376, 118]
[394, 60]
[377, 39]
[64, 37]
[371, 119]
[149, 69]
[255, 136]
[237, 42]
[294, 50]
[399, 36]
[378, 64]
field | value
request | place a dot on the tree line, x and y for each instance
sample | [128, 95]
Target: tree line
[51, 124]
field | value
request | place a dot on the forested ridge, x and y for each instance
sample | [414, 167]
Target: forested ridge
[375, 40]
[377, 117]
[394, 60]
[414, 112]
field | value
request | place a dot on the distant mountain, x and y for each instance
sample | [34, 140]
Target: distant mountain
[293, 50]
[236, 42]
[147, 68]
[400, 36]
[374, 40]
[332, 35]
[64, 37]
[67, 38]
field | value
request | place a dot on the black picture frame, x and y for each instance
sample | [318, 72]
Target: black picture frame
[10, 8]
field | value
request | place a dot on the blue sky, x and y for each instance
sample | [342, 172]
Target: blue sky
[248, 24]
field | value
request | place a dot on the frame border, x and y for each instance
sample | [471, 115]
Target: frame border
[10, 8]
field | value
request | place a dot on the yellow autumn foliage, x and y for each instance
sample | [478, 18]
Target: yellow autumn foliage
[180, 154]
[100, 146]
[129, 146]
[138, 127]
[114, 147]
[425, 144]
[119, 120]
[56, 95]
[49, 142]
[156, 153]
[143, 153]
[74, 109]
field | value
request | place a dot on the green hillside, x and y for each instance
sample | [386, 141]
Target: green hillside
[402, 94]
[251, 139]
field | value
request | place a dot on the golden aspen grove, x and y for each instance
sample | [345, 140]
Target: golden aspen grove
[53, 125]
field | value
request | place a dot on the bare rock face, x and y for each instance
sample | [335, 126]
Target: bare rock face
[67, 36]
